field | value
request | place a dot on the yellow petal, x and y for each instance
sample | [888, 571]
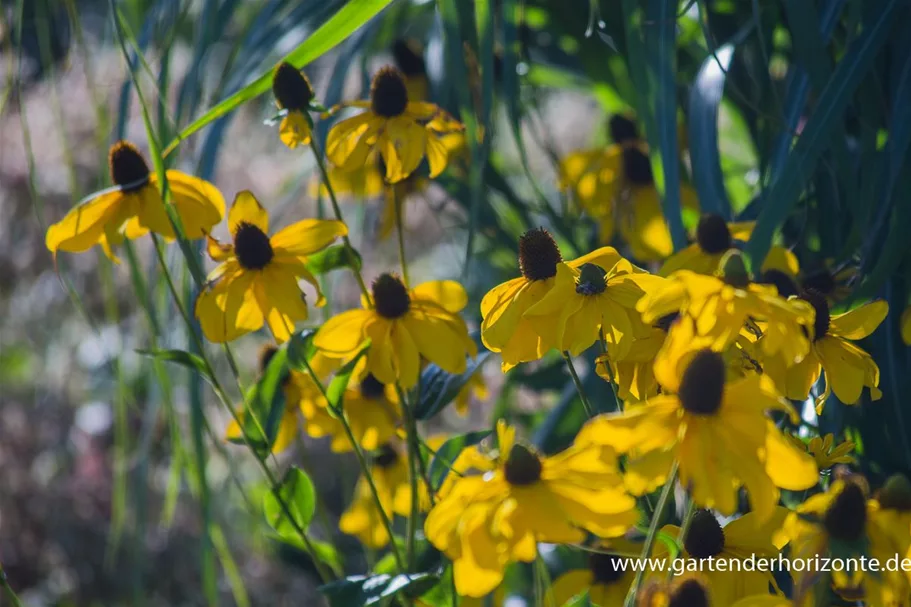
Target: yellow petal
[437, 155]
[307, 237]
[906, 326]
[198, 203]
[448, 294]
[280, 299]
[347, 143]
[294, 129]
[246, 209]
[859, 322]
[787, 466]
[402, 146]
[228, 309]
[344, 333]
[844, 368]
[83, 226]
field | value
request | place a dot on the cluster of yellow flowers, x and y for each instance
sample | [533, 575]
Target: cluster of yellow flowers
[702, 356]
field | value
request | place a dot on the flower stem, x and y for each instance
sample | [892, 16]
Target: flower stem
[572, 371]
[8, 590]
[414, 457]
[684, 528]
[652, 533]
[400, 232]
[317, 153]
[610, 373]
[364, 465]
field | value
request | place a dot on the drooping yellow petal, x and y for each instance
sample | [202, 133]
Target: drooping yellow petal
[647, 427]
[906, 326]
[859, 322]
[844, 368]
[787, 466]
[198, 203]
[344, 333]
[294, 129]
[402, 146]
[437, 155]
[448, 294]
[438, 341]
[280, 299]
[247, 209]
[347, 143]
[83, 226]
[307, 237]
[571, 584]
[228, 309]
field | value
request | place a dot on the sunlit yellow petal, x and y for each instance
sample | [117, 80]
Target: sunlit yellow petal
[294, 129]
[859, 322]
[246, 209]
[307, 237]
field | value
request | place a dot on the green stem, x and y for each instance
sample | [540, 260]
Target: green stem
[652, 533]
[414, 457]
[324, 175]
[8, 590]
[572, 371]
[607, 367]
[684, 528]
[364, 465]
[400, 233]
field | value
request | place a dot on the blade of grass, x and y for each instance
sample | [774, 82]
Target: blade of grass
[785, 190]
[348, 19]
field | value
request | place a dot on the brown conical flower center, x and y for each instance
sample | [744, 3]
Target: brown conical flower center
[388, 94]
[538, 255]
[846, 517]
[291, 88]
[821, 281]
[128, 168]
[591, 280]
[637, 168]
[781, 281]
[371, 388]
[605, 568]
[689, 593]
[522, 467]
[409, 57]
[702, 385]
[622, 129]
[390, 296]
[386, 456]
[896, 494]
[706, 537]
[713, 235]
[252, 247]
[823, 316]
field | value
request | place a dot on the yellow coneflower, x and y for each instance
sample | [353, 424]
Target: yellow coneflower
[824, 450]
[403, 325]
[596, 298]
[403, 131]
[293, 95]
[634, 373]
[135, 200]
[849, 369]
[606, 579]
[257, 280]
[485, 521]
[718, 431]
[714, 238]
[615, 186]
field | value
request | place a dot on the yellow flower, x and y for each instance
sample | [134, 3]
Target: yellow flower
[256, 282]
[606, 579]
[403, 325]
[293, 95]
[843, 523]
[484, 522]
[389, 470]
[372, 416]
[739, 540]
[827, 453]
[848, 368]
[615, 185]
[718, 432]
[298, 389]
[714, 238]
[592, 295]
[135, 200]
[722, 307]
[403, 131]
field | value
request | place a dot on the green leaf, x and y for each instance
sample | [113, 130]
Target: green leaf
[439, 388]
[822, 123]
[180, 357]
[297, 492]
[371, 590]
[301, 349]
[335, 393]
[448, 452]
[346, 21]
[662, 60]
[705, 98]
[334, 258]
[264, 406]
